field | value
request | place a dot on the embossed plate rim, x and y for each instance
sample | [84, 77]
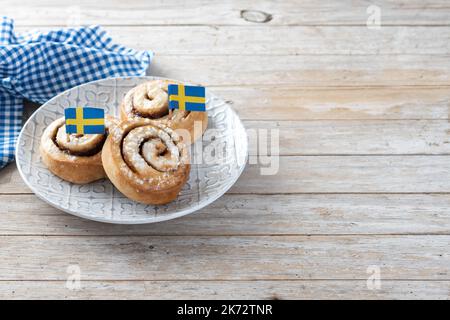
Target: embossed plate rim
[130, 221]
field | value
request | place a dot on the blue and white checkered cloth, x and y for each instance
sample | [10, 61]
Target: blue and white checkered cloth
[39, 65]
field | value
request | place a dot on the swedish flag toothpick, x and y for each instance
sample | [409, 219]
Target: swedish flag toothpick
[189, 98]
[85, 120]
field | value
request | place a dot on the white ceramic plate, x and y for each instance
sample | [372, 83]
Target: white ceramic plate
[100, 201]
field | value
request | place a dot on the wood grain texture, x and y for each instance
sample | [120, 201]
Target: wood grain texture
[321, 174]
[306, 70]
[225, 258]
[294, 12]
[291, 40]
[331, 174]
[307, 214]
[353, 137]
[239, 290]
[282, 40]
[337, 103]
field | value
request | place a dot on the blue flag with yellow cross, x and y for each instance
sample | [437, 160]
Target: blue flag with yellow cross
[85, 120]
[189, 98]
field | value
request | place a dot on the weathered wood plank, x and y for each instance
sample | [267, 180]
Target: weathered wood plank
[292, 72]
[322, 174]
[241, 290]
[225, 258]
[337, 103]
[354, 137]
[269, 214]
[270, 40]
[306, 70]
[331, 174]
[52, 12]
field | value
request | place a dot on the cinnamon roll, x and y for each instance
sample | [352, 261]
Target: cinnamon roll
[74, 157]
[150, 100]
[146, 161]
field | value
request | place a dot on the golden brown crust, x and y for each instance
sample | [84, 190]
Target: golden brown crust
[149, 100]
[73, 158]
[146, 161]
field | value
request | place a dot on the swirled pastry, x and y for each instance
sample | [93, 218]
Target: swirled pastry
[74, 157]
[146, 161]
[150, 100]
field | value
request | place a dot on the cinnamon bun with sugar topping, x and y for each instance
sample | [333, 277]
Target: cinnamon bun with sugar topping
[146, 161]
[150, 100]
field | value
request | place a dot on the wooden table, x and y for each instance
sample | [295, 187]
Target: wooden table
[363, 187]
